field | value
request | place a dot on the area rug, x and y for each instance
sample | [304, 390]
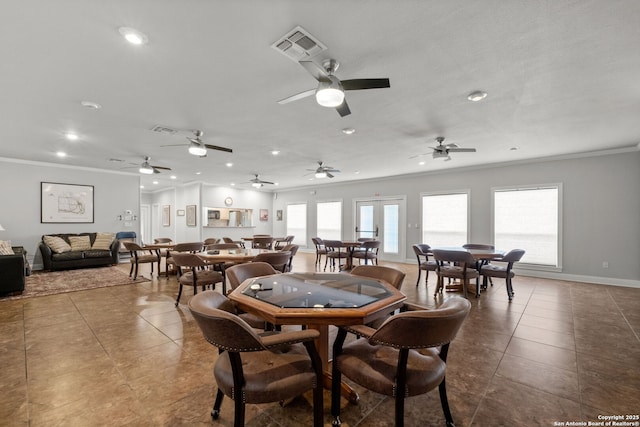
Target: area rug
[42, 283]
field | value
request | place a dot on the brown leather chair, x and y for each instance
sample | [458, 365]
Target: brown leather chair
[191, 247]
[191, 272]
[257, 369]
[320, 249]
[211, 241]
[241, 272]
[422, 252]
[281, 243]
[505, 272]
[278, 260]
[293, 249]
[394, 360]
[456, 265]
[262, 242]
[390, 275]
[368, 251]
[240, 243]
[139, 255]
[335, 251]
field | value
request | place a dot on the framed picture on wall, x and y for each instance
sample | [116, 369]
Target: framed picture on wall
[264, 214]
[166, 215]
[279, 215]
[191, 215]
[69, 203]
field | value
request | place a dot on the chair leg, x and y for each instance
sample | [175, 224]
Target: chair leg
[442, 388]
[215, 412]
[426, 278]
[131, 270]
[135, 273]
[238, 419]
[179, 294]
[478, 287]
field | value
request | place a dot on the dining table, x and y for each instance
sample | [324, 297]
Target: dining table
[234, 256]
[318, 300]
[350, 247]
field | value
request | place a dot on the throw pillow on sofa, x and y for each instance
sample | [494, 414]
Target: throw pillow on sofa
[80, 243]
[5, 248]
[57, 244]
[103, 241]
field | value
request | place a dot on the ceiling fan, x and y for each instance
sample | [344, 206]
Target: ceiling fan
[330, 90]
[199, 148]
[149, 169]
[442, 151]
[323, 171]
[257, 182]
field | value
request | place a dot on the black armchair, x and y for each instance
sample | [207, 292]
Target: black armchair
[13, 269]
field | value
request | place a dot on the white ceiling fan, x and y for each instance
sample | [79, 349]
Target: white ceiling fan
[323, 171]
[259, 183]
[199, 148]
[442, 151]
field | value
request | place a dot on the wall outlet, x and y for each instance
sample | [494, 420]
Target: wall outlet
[605, 264]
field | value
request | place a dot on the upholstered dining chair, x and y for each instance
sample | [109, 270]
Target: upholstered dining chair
[241, 272]
[262, 242]
[294, 250]
[394, 360]
[240, 243]
[257, 369]
[390, 275]
[320, 249]
[191, 272]
[456, 265]
[278, 260]
[211, 241]
[422, 252]
[139, 255]
[481, 262]
[191, 247]
[281, 243]
[335, 251]
[488, 271]
[368, 251]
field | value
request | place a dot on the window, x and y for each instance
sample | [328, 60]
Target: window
[528, 218]
[329, 220]
[445, 219]
[391, 218]
[297, 223]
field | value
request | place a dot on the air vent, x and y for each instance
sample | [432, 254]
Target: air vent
[164, 129]
[299, 45]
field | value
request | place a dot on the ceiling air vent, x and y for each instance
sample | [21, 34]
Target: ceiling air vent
[299, 45]
[164, 129]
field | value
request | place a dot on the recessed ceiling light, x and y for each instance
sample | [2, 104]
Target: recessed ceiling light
[229, 164]
[421, 163]
[61, 154]
[276, 183]
[232, 184]
[71, 136]
[173, 177]
[275, 152]
[155, 182]
[198, 173]
[348, 131]
[142, 186]
[476, 96]
[91, 105]
[133, 36]
[357, 172]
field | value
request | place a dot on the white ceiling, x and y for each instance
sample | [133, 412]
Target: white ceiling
[562, 77]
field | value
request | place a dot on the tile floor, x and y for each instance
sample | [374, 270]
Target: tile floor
[125, 356]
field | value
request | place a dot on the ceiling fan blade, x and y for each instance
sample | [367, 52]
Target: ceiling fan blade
[215, 147]
[161, 167]
[297, 96]
[265, 182]
[419, 155]
[343, 109]
[332, 170]
[315, 70]
[329, 174]
[462, 150]
[357, 84]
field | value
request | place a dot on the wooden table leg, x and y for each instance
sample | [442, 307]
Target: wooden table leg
[322, 344]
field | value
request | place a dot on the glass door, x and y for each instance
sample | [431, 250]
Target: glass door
[382, 220]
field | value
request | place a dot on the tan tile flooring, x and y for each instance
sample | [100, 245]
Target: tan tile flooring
[125, 356]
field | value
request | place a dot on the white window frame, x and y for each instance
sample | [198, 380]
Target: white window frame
[524, 265]
[466, 192]
[341, 216]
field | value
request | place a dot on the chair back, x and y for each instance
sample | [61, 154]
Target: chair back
[453, 256]
[262, 242]
[317, 241]
[221, 326]
[333, 244]
[370, 245]
[223, 246]
[241, 272]
[211, 241]
[437, 326]
[187, 259]
[162, 240]
[421, 249]
[390, 275]
[291, 248]
[278, 260]
[132, 246]
[187, 247]
[227, 240]
[478, 246]
[512, 256]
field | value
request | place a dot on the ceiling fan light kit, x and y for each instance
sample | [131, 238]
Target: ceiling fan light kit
[197, 149]
[321, 174]
[146, 169]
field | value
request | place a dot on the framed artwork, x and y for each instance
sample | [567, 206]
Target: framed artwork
[166, 215]
[279, 215]
[180, 212]
[264, 214]
[60, 203]
[191, 215]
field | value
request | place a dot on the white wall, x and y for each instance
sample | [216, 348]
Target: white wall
[20, 194]
[601, 208]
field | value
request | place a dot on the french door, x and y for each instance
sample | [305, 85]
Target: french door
[383, 219]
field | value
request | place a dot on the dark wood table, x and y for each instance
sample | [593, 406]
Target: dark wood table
[318, 300]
